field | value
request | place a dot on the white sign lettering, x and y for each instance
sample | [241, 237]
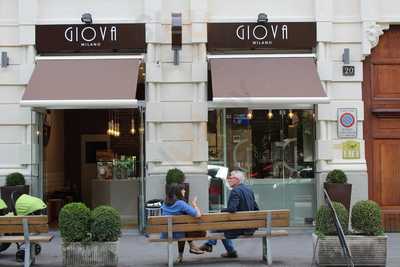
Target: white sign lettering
[89, 34]
[262, 32]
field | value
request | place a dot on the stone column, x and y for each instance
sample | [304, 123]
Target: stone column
[176, 98]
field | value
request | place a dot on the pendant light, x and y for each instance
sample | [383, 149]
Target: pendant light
[270, 115]
[249, 114]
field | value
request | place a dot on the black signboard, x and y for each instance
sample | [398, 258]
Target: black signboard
[104, 38]
[348, 70]
[272, 35]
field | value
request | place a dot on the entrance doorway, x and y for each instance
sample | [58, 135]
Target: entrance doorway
[381, 95]
[84, 161]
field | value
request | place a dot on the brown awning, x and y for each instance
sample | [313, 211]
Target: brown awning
[245, 81]
[83, 83]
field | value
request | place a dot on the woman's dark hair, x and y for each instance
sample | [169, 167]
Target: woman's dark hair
[173, 192]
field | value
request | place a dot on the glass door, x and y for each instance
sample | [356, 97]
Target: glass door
[39, 132]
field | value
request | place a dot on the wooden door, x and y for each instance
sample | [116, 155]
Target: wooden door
[381, 95]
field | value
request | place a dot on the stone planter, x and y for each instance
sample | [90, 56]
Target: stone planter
[366, 250]
[76, 254]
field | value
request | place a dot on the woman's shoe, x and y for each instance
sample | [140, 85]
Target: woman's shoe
[179, 259]
[196, 250]
[206, 248]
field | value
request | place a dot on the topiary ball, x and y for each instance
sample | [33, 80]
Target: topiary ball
[74, 222]
[106, 224]
[175, 176]
[14, 179]
[366, 218]
[336, 177]
[325, 222]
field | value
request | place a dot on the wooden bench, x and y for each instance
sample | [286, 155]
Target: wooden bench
[217, 222]
[22, 228]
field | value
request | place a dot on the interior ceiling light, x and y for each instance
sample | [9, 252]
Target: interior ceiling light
[270, 114]
[249, 114]
[290, 114]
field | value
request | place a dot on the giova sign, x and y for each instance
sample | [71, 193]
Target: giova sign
[90, 34]
[274, 35]
[109, 38]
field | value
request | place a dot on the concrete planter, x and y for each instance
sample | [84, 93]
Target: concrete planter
[97, 254]
[366, 250]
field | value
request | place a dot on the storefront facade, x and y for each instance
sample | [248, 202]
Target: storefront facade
[181, 118]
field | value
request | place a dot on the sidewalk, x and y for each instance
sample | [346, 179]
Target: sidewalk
[292, 251]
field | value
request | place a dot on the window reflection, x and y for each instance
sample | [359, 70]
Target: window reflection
[276, 150]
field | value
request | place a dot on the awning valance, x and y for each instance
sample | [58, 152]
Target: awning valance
[266, 81]
[83, 83]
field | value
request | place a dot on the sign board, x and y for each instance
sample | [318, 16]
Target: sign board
[348, 70]
[347, 122]
[273, 35]
[339, 230]
[73, 38]
[351, 150]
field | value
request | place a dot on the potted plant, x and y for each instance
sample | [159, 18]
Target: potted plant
[367, 242]
[325, 239]
[15, 182]
[89, 238]
[177, 176]
[337, 187]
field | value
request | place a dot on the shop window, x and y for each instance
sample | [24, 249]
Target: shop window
[275, 148]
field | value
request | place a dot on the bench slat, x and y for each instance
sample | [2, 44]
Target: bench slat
[14, 239]
[38, 228]
[223, 216]
[34, 219]
[207, 226]
[220, 236]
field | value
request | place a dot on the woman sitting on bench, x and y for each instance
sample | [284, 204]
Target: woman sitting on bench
[175, 205]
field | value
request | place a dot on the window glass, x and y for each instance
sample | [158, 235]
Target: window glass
[276, 150]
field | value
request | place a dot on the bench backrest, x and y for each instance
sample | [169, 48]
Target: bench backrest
[13, 224]
[218, 221]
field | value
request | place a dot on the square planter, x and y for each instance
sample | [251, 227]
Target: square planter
[365, 250]
[76, 254]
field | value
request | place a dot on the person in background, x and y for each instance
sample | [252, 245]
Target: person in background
[241, 198]
[175, 205]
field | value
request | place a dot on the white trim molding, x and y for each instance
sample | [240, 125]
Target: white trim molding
[81, 103]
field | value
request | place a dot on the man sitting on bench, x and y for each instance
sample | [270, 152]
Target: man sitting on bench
[241, 198]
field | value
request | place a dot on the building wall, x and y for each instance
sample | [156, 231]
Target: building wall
[176, 108]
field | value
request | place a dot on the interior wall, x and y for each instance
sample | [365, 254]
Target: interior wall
[87, 122]
[54, 168]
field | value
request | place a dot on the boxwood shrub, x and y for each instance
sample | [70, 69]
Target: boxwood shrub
[336, 177]
[14, 179]
[106, 224]
[366, 218]
[74, 222]
[175, 176]
[324, 220]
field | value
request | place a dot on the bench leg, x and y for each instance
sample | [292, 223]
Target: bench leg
[170, 255]
[266, 249]
[29, 256]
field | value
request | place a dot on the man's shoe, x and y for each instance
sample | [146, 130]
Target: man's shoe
[206, 248]
[232, 254]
